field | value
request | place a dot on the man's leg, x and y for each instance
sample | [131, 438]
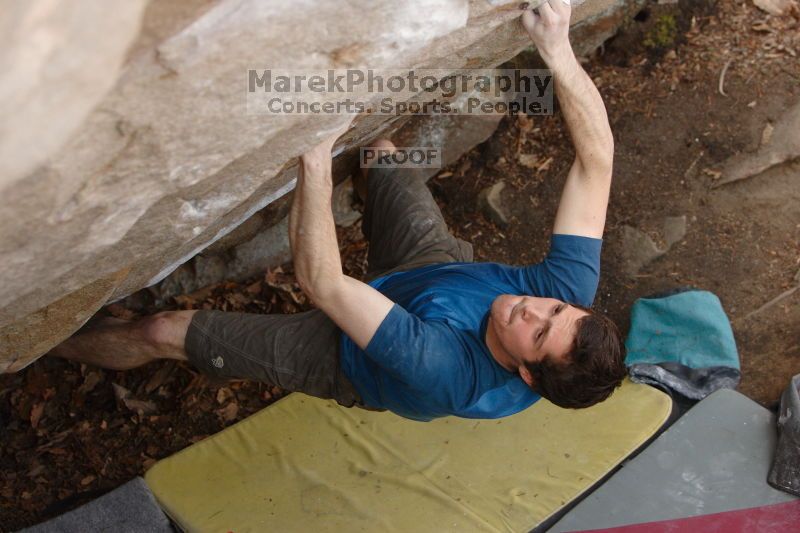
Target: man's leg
[298, 352]
[402, 222]
[121, 344]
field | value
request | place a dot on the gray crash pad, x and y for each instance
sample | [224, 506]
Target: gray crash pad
[714, 459]
[130, 508]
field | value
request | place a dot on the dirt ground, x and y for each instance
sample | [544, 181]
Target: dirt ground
[69, 433]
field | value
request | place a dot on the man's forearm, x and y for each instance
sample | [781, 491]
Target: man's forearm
[355, 307]
[584, 113]
[584, 200]
[312, 233]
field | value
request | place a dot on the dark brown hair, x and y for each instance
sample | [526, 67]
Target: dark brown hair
[592, 369]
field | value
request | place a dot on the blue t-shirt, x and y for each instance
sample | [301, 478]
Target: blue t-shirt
[429, 357]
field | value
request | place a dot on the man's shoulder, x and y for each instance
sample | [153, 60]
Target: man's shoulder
[570, 271]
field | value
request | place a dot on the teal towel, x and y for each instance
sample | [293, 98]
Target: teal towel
[689, 328]
[683, 341]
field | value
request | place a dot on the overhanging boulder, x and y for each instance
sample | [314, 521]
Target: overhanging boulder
[147, 154]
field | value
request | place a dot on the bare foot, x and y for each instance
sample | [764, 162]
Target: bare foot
[121, 344]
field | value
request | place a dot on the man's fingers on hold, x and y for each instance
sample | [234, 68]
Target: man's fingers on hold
[547, 14]
[562, 7]
[529, 19]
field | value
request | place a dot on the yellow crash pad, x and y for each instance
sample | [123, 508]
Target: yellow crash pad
[305, 464]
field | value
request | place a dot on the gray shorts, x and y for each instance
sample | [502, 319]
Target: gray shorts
[300, 352]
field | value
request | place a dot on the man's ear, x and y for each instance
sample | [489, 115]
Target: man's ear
[526, 376]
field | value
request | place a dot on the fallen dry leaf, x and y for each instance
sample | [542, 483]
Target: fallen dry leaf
[90, 382]
[761, 27]
[56, 451]
[36, 414]
[223, 395]
[185, 301]
[141, 407]
[159, 378]
[524, 122]
[528, 160]
[766, 135]
[120, 392]
[254, 288]
[118, 311]
[229, 412]
[545, 165]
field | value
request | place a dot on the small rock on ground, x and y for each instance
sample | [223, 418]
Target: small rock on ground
[490, 202]
[637, 249]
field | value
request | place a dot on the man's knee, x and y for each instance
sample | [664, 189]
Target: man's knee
[379, 151]
[384, 145]
[380, 146]
[167, 330]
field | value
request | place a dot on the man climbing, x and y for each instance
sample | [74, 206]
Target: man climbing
[432, 334]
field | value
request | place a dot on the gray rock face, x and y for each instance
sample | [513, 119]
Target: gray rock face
[253, 250]
[128, 150]
[54, 73]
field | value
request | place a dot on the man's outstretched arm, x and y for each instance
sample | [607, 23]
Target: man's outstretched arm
[357, 308]
[584, 201]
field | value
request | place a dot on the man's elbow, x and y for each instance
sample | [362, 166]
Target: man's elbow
[606, 164]
[319, 289]
[310, 288]
[601, 162]
[599, 167]
[305, 286]
[604, 169]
